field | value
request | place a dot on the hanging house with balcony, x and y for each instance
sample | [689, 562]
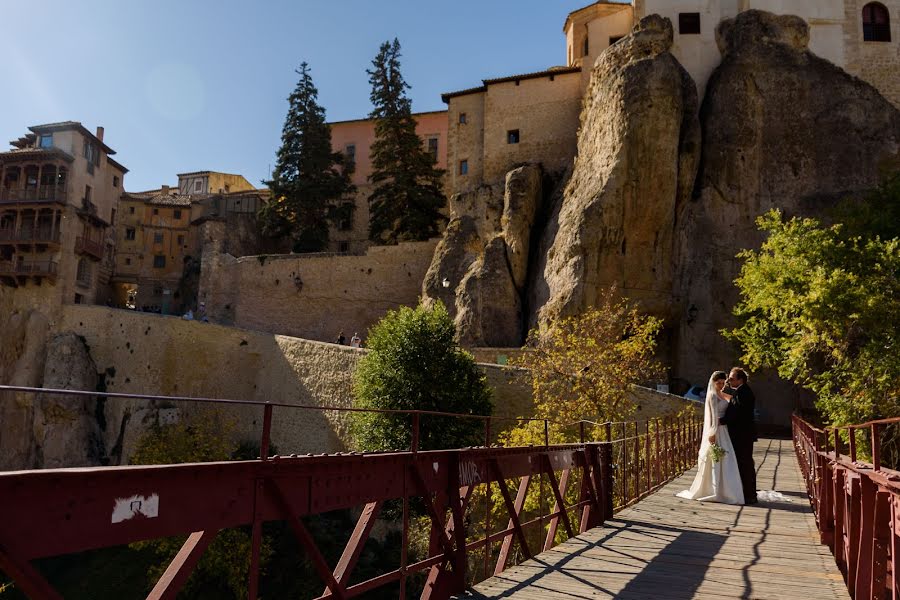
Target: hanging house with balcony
[59, 190]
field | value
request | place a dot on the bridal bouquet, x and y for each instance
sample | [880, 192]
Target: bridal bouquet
[717, 452]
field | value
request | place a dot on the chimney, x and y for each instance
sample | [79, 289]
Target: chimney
[165, 190]
[100, 133]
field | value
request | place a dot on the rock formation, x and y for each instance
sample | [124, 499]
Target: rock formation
[65, 428]
[782, 128]
[24, 334]
[638, 149]
[483, 259]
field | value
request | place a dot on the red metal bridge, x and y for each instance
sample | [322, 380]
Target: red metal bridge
[547, 494]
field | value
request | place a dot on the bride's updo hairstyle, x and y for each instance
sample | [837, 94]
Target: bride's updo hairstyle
[719, 375]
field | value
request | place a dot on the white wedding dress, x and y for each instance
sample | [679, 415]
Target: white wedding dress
[715, 481]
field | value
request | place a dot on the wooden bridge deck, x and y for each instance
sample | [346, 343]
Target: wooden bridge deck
[668, 548]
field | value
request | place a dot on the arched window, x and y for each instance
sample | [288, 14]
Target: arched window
[876, 23]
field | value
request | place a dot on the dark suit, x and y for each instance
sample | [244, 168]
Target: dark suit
[740, 419]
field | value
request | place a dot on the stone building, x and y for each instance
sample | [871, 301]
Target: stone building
[534, 117]
[212, 182]
[59, 191]
[154, 238]
[354, 139]
[157, 235]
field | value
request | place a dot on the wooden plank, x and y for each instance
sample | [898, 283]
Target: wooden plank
[667, 547]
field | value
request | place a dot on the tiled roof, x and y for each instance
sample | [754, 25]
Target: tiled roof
[158, 198]
[65, 125]
[170, 200]
[24, 153]
[552, 71]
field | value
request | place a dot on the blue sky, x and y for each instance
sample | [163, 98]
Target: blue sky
[193, 85]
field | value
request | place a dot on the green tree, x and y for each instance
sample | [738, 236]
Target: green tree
[309, 177]
[414, 363]
[407, 198]
[582, 366]
[821, 304]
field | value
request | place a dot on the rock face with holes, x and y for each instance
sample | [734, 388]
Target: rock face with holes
[480, 267]
[66, 429]
[638, 150]
[783, 129]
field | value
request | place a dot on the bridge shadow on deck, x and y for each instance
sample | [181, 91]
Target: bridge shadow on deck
[673, 549]
[702, 547]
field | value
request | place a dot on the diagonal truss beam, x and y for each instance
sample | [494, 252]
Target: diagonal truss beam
[355, 544]
[513, 509]
[559, 506]
[181, 567]
[309, 544]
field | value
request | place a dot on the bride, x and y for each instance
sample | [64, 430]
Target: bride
[716, 481]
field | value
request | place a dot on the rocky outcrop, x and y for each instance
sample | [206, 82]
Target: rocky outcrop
[782, 128]
[23, 336]
[638, 150]
[66, 428]
[480, 267]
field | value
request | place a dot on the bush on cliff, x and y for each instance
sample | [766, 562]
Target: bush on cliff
[414, 363]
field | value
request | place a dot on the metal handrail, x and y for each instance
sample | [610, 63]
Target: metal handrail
[856, 503]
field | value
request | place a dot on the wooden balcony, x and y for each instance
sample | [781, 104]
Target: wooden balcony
[30, 237]
[44, 194]
[89, 247]
[21, 270]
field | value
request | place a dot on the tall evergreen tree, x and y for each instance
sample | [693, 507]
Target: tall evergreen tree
[407, 196]
[309, 178]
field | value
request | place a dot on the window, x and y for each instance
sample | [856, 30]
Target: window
[433, 147]
[87, 194]
[177, 213]
[158, 237]
[689, 23]
[198, 185]
[512, 136]
[115, 181]
[83, 272]
[155, 211]
[350, 152]
[159, 261]
[181, 240]
[91, 155]
[79, 299]
[127, 261]
[129, 233]
[586, 48]
[463, 167]
[47, 141]
[343, 246]
[346, 217]
[130, 210]
[876, 23]
[614, 38]
[462, 119]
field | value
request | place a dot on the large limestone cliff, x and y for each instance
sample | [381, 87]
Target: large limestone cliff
[638, 150]
[480, 267]
[782, 128]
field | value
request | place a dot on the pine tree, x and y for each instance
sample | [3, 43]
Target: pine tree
[407, 196]
[309, 178]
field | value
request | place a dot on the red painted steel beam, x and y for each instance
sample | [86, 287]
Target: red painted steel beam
[356, 543]
[27, 578]
[181, 567]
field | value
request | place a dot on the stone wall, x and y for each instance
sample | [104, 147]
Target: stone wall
[876, 62]
[312, 295]
[143, 353]
[544, 110]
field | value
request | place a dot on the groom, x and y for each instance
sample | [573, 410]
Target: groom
[739, 417]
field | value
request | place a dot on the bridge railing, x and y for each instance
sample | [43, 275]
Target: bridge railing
[451, 493]
[856, 503]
